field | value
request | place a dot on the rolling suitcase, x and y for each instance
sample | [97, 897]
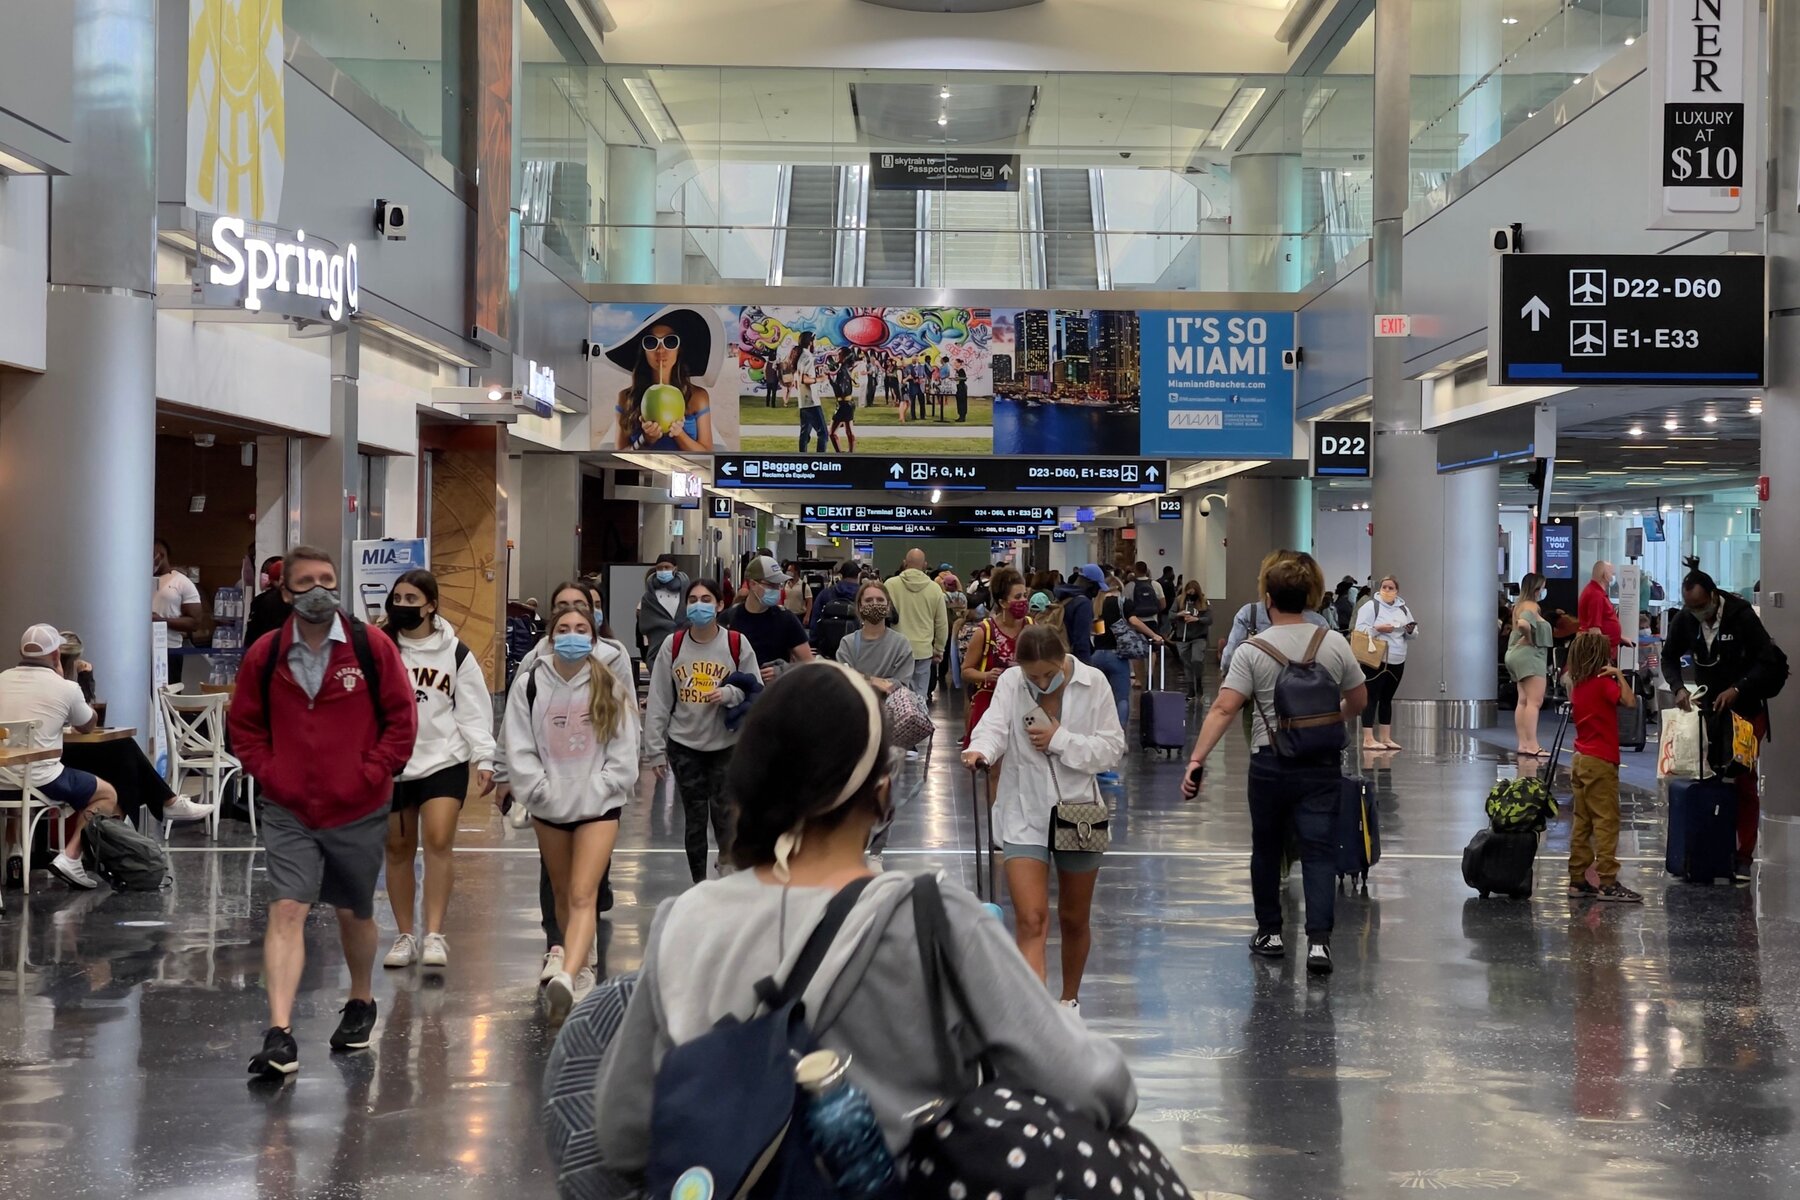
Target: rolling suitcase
[1634, 722]
[1702, 837]
[1501, 861]
[1162, 719]
[982, 814]
[1358, 831]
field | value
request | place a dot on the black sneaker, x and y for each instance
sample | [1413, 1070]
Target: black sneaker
[1618, 893]
[1741, 873]
[1268, 945]
[279, 1058]
[1318, 959]
[1581, 889]
[353, 1032]
[606, 895]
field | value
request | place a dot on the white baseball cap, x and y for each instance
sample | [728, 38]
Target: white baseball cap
[764, 570]
[40, 641]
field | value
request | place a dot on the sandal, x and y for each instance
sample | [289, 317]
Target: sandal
[1392, 746]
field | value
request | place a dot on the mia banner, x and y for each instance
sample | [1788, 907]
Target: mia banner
[1215, 385]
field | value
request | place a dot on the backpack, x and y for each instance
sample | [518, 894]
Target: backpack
[837, 621]
[365, 658]
[129, 861]
[726, 1118]
[1144, 598]
[461, 653]
[1309, 719]
[1520, 804]
[568, 1109]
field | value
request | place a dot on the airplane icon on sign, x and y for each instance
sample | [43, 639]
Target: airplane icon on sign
[1587, 288]
[1587, 339]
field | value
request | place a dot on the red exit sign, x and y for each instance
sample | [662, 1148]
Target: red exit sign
[1393, 325]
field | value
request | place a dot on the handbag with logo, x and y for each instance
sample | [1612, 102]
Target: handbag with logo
[1080, 826]
[1370, 650]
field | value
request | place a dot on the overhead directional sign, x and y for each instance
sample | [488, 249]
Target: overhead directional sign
[818, 514]
[721, 508]
[1059, 536]
[931, 529]
[907, 473]
[944, 172]
[1656, 319]
[1168, 508]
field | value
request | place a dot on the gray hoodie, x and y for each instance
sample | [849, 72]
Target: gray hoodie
[676, 710]
[709, 946]
[560, 770]
[606, 650]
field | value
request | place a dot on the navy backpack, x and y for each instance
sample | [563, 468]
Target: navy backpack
[1309, 719]
[727, 1119]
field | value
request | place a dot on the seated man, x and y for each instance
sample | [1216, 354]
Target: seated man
[35, 690]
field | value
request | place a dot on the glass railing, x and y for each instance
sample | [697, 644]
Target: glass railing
[960, 258]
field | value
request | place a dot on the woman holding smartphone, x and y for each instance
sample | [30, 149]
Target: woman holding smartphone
[1052, 719]
[1388, 621]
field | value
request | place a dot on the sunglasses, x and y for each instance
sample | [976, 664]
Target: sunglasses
[668, 341]
[577, 606]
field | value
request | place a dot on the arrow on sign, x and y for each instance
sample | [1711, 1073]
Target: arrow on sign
[1150, 473]
[1006, 170]
[730, 468]
[1536, 309]
[897, 471]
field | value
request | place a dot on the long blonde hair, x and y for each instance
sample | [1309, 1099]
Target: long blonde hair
[605, 704]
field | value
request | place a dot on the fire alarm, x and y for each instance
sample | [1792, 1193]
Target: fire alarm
[1762, 488]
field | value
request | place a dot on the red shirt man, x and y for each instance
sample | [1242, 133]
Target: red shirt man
[1596, 611]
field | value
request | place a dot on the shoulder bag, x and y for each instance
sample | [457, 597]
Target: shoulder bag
[1081, 826]
[1370, 650]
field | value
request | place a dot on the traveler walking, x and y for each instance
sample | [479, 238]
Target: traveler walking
[572, 747]
[1190, 623]
[805, 807]
[1293, 674]
[1386, 622]
[323, 718]
[875, 649]
[796, 593]
[1051, 723]
[1740, 667]
[772, 631]
[1089, 634]
[659, 612]
[1253, 618]
[994, 643]
[924, 619]
[685, 729]
[1598, 690]
[1528, 662]
[834, 610]
[455, 736]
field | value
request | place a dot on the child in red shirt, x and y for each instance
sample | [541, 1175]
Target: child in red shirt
[1599, 691]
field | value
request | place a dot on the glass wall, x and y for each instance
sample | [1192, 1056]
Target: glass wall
[1723, 529]
[407, 55]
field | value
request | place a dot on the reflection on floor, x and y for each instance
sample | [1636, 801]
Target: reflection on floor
[1548, 1049]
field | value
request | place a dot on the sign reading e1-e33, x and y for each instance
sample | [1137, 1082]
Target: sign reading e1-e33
[1633, 319]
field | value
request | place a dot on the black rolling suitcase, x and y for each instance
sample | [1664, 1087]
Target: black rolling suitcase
[1634, 722]
[1162, 720]
[1501, 862]
[982, 815]
[1358, 831]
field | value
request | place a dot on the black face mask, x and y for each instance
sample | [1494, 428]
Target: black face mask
[405, 617]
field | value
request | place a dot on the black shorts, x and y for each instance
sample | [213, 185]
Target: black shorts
[452, 781]
[844, 414]
[572, 826]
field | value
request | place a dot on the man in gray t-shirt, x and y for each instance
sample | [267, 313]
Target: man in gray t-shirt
[1288, 796]
[1253, 673]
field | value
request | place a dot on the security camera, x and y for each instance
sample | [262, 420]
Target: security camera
[1508, 239]
[391, 220]
[1290, 359]
[590, 349]
[1206, 508]
[1124, 154]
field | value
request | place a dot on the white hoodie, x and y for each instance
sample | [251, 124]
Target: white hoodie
[559, 770]
[456, 713]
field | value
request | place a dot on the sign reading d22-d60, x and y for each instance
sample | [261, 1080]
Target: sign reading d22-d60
[1215, 385]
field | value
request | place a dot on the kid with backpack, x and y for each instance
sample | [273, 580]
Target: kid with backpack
[1302, 684]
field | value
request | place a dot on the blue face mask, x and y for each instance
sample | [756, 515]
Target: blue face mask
[772, 597]
[665, 577]
[700, 613]
[572, 647]
[1056, 681]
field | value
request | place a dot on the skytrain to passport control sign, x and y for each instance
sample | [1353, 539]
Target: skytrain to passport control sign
[1214, 385]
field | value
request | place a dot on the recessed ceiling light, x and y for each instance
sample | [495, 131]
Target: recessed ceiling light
[1671, 426]
[1579, 78]
[1636, 431]
[1711, 418]
[1509, 20]
[495, 394]
[1631, 41]
[1666, 508]
[1756, 409]
[944, 94]
[942, 119]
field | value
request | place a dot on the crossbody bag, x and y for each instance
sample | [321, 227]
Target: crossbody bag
[1079, 826]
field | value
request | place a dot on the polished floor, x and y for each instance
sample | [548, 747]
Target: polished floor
[1543, 1049]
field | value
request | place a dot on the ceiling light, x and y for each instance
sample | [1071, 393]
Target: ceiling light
[1666, 508]
[943, 119]
[1636, 431]
[936, 495]
[1756, 408]
[1579, 78]
[1685, 462]
[1688, 507]
[654, 110]
[1631, 41]
[1637, 512]
[943, 93]
[1671, 426]
[496, 394]
[1509, 20]
[1232, 119]
[1711, 418]
[12, 164]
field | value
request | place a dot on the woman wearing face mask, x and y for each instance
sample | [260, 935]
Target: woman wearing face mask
[805, 808]
[1528, 661]
[1388, 620]
[659, 612]
[879, 652]
[455, 735]
[684, 718]
[1189, 625]
[1053, 721]
[993, 643]
[572, 737]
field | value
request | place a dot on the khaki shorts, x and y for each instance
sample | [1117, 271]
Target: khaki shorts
[337, 866]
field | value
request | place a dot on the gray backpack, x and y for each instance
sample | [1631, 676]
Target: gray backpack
[128, 860]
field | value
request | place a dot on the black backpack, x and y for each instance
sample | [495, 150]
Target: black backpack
[129, 861]
[837, 621]
[1309, 718]
[1144, 597]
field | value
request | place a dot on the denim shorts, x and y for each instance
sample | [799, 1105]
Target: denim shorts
[1075, 862]
[71, 789]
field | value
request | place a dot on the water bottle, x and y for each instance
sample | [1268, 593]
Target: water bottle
[844, 1132]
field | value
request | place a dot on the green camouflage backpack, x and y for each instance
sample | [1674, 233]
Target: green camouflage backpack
[1520, 804]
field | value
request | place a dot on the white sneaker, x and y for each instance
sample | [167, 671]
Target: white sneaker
[584, 983]
[553, 963]
[559, 997]
[404, 954]
[436, 952]
[183, 809]
[73, 872]
[518, 816]
[1074, 1004]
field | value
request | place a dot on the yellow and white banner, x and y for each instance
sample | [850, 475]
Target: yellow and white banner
[237, 120]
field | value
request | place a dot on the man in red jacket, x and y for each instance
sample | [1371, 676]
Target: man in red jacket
[323, 718]
[1596, 612]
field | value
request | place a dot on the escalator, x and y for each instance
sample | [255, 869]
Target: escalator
[890, 249]
[1070, 252]
[811, 233]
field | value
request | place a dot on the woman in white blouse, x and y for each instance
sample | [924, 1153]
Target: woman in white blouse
[1388, 621]
[1055, 717]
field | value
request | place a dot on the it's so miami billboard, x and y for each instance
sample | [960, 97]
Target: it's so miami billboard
[1215, 385]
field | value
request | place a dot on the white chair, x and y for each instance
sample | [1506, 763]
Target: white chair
[18, 795]
[196, 728]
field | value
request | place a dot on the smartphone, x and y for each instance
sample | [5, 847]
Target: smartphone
[1195, 774]
[1036, 717]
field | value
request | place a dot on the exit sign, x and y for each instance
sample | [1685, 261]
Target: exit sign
[1393, 325]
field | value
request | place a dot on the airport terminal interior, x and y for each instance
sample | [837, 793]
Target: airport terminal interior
[1300, 495]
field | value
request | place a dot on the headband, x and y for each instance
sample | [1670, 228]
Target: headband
[788, 844]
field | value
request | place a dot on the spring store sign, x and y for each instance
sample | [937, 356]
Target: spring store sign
[258, 265]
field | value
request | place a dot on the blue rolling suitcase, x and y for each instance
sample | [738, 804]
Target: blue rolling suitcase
[1702, 837]
[1358, 831]
[1162, 721]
